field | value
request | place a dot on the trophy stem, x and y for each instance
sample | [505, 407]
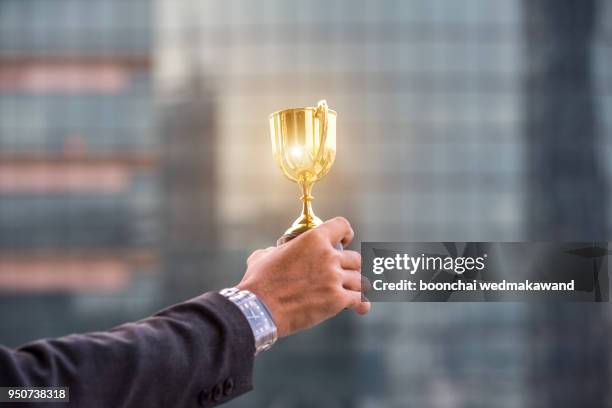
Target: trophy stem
[307, 220]
[307, 198]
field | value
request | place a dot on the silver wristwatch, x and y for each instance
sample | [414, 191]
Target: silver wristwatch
[257, 314]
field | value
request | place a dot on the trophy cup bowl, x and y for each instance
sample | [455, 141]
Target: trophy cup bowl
[304, 147]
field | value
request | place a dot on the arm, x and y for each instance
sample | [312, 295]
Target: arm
[200, 351]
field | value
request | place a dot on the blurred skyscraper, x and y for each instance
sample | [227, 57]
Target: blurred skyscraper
[136, 170]
[78, 164]
[568, 191]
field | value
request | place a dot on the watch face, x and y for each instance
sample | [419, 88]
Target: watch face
[256, 316]
[261, 323]
[263, 329]
[251, 314]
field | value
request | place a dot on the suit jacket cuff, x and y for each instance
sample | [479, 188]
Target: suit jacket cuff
[236, 353]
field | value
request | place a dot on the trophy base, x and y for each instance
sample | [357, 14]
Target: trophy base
[304, 223]
[288, 236]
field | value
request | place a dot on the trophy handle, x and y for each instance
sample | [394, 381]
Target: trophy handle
[321, 114]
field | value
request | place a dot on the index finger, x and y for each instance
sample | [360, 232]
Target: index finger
[338, 230]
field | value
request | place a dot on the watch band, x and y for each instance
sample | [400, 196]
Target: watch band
[257, 314]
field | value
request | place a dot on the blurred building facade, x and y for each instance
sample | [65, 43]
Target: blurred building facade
[568, 189]
[136, 170]
[79, 158]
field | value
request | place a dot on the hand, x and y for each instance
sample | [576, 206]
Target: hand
[306, 280]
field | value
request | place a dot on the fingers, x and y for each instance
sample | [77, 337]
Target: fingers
[350, 260]
[354, 302]
[354, 280]
[338, 230]
[351, 280]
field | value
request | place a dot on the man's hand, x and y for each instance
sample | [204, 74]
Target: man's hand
[307, 280]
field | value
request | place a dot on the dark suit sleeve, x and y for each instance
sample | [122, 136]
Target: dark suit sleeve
[197, 353]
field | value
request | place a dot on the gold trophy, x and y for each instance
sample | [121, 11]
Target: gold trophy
[304, 146]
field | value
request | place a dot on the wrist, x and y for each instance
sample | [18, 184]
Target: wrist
[257, 314]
